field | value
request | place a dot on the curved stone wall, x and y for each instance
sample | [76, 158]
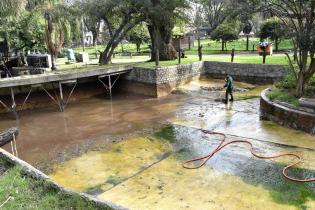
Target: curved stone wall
[286, 116]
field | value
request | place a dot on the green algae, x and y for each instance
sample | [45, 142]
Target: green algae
[167, 133]
[113, 180]
[105, 169]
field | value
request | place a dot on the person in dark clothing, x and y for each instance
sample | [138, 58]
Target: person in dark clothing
[229, 88]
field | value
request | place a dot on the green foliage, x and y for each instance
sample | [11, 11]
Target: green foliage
[289, 82]
[139, 35]
[310, 89]
[11, 7]
[28, 193]
[273, 28]
[283, 96]
[30, 29]
[227, 31]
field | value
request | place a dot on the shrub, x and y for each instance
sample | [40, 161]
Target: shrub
[283, 96]
[288, 82]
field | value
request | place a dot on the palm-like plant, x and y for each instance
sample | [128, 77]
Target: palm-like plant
[57, 26]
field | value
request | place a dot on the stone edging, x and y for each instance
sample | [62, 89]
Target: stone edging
[38, 175]
[286, 116]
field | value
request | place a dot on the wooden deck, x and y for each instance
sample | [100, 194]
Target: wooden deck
[61, 76]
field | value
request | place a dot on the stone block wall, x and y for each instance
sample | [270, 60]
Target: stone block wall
[160, 81]
[163, 75]
[252, 73]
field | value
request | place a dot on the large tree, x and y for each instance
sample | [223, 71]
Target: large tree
[162, 16]
[91, 20]
[216, 12]
[274, 29]
[120, 17]
[299, 18]
[225, 32]
[138, 36]
[9, 12]
[57, 27]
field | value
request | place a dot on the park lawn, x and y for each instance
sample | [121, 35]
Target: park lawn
[209, 47]
[93, 64]
[143, 61]
[215, 47]
[26, 193]
[129, 47]
[274, 60]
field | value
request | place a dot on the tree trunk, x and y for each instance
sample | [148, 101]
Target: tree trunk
[106, 56]
[277, 44]
[138, 47]
[305, 74]
[247, 43]
[53, 62]
[222, 45]
[163, 38]
[95, 36]
[295, 56]
[300, 85]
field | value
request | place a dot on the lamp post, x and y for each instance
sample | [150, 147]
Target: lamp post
[83, 34]
[156, 48]
[179, 49]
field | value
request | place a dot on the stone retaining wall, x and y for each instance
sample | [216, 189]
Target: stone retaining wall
[252, 73]
[285, 116]
[161, 81]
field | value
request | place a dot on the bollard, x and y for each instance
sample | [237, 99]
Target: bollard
[264, 56]
[232, 55]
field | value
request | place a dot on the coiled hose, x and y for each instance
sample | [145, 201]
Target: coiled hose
[224, 143]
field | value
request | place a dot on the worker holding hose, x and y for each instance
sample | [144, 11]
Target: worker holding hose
[229, 88]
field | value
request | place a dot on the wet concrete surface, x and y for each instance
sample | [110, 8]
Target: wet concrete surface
[129, 151]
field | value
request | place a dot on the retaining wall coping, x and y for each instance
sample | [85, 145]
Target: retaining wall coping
[243, 64]
[280, 106]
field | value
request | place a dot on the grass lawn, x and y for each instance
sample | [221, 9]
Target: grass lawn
[20, 192]
[143, 61]
[275, 59]
[214, 47]
[209, 47]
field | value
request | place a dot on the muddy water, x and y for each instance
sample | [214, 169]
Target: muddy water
[129, 151]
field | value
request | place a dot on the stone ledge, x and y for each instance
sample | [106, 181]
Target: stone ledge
[35, 174]
[285, 116]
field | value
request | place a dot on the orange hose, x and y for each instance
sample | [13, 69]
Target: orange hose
[224, 144]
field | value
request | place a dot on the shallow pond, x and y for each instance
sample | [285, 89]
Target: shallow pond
[129, 151]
